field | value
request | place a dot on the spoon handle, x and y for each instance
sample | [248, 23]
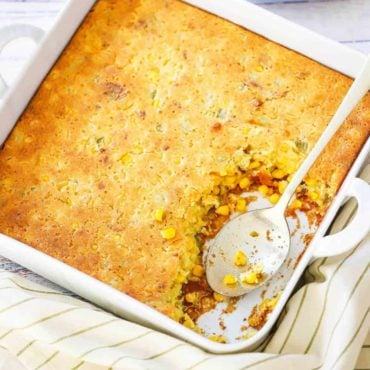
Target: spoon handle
[359, 88]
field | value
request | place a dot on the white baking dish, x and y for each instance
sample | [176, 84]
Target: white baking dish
[260, 21]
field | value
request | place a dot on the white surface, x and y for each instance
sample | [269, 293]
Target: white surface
[179, 329]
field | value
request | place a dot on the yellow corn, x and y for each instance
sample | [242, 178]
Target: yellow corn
[216, 190]
[198, 270]
[159, 213]
[274, 198]
[168, 233]
[241, 205]
[230, 181]
[223, 210]
[230, 170]
[310, 181]
[244, 183]
[218, 297]
[278, 174]
[249, 277]
[190, 297]
[263, 189]
[313, 195]
[45, 178]
[254, 164]
[282, 185]
[188, 322]
[253, 234]
[296, 203]
[126, 158]
[273, 301]
[240, 259]
[230, 280]
[260, 68]
[218, 338]
[62, 185]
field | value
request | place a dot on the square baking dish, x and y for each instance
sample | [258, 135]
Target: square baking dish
[316, 47]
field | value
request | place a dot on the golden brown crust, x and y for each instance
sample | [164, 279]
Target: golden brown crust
[149, 101]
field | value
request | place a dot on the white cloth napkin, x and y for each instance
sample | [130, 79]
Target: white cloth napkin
[324, 326]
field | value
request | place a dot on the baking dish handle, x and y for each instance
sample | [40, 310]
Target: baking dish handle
[351, 235]
[13, 32]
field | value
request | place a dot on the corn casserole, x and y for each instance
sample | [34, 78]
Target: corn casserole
[148, 132]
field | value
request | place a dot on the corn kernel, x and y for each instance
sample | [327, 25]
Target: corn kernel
[253, 276]
[273, 301]
[254, 234]
[260, 68]
[223, 210]
[181, 278]
[278, 174]
[240, 259]
[218, 297]
[159, 213]
[230, 181]
[126, 159]
[263, 189]
[310, 181]
[282, 185]
[190, 297]
[296, 203]
[218, 338]
[241, 205]
[216, 190]
[198, 270]
[68, 201]
[230, 170]
[254, 164]
[249, 277]
[168, 233]
[249, 335]
[285, 147]
[274, 198]
[45, 178]
[230, 280]
[313, 195]
[244, 183]
[223, 173]
[62, 185]
[188, 322]
[246, 131]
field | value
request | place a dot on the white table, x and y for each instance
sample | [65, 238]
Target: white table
[347, 21]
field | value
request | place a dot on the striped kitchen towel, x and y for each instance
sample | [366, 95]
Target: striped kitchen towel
[324, 326]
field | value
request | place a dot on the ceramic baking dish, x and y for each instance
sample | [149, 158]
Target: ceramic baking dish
[323, 50]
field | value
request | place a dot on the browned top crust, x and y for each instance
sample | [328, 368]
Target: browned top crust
[150, 104]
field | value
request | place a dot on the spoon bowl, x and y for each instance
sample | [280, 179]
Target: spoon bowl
[262, 236]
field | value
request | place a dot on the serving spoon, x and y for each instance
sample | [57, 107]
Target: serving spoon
[262, 236]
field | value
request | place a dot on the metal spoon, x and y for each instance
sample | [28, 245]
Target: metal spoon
[263, 235]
